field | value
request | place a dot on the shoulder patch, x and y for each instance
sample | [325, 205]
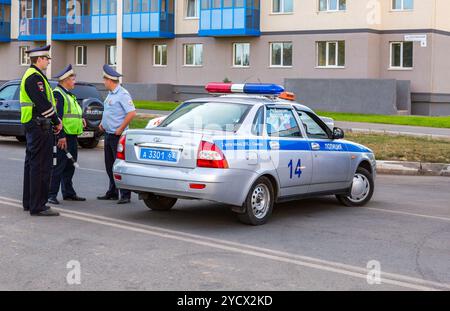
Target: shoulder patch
[130, 102]
[41, 86]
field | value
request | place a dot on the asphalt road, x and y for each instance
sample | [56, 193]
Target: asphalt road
[313, 244]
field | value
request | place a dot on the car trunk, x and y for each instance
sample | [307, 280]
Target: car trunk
[163, 146]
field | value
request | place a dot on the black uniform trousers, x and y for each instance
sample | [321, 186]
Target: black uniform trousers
[38, 167]
[64, 170]
[110, 149]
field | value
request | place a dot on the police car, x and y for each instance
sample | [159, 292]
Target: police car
[248, 148]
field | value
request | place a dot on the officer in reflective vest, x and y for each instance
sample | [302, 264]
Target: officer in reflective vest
[40, 121]
[71, 114]
[118, 112]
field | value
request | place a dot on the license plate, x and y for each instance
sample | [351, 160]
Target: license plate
[86, 135]
[158, 155]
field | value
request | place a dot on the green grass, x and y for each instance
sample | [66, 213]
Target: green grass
[155, 105]
[404, 148]
[439, 122]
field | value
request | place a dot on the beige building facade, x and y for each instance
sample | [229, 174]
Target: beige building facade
[287, 39]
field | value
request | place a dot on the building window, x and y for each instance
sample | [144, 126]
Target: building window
[402, 5]
[192, 7]
[281, 54]
[24, 59]
[193, 54]
[81, 55]
[241, 54]
[332, 5]
[160, 55]
[282, 6]
[331, 54]
[401, 54]
[111, 55]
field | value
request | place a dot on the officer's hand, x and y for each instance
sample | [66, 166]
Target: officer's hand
[119, 131]
[57, 128]
[62, 143]
[101, 127]
[84, 123]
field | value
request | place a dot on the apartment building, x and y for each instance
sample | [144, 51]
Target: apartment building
[187, 43]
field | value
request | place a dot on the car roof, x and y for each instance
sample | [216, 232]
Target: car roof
[52, 81]
[249, 100]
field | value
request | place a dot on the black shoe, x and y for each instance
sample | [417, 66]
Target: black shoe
[124, 201]
[53, 201]
[74, 198]
[108, 197]
[48, 212]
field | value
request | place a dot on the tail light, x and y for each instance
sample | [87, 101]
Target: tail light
[121, 148]
[209, 155]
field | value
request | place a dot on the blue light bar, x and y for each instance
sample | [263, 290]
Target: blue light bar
[248, 88]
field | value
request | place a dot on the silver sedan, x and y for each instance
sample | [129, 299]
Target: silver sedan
[246, 151]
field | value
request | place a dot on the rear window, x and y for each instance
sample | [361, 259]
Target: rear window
[211, 116]
[86, 91]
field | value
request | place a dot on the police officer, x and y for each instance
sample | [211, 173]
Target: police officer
[118, 112]
[39, 117]
[71, 114]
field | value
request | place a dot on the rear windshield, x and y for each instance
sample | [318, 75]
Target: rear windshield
[86, 91]
[210, 116]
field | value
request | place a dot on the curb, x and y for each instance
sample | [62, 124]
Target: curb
[397, 167]
[413, 168]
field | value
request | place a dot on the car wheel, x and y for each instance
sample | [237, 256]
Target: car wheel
[159, 202]
[22, 139]
[259, 203]
[88, 143]
[362, 189]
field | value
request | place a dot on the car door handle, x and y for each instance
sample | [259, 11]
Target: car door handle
[315, 146]
[274, 145]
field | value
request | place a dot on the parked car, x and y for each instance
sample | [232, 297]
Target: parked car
[88, 97]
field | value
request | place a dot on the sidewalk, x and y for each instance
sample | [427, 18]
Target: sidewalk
[430, 132]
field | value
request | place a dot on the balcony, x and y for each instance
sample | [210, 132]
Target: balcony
[227, 18]
[5, 24]
[33, 21]
[84, 20]
[148, 19]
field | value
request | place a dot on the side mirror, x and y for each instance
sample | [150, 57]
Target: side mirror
[338, 133]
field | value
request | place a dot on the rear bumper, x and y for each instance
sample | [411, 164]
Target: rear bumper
[12, 129]
[227, 186]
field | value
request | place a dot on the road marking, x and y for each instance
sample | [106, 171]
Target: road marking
[80, 168]
[406, 213]
[319, 264]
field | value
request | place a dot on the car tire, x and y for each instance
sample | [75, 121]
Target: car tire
[258, 205]
[362, 192]
[21, 139]
[159, 202]
[88, 143]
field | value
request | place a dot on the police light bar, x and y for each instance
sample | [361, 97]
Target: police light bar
[247, 88]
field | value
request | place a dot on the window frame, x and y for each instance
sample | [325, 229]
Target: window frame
[282, 65]
[316, 119]
[23, 55]
[155, 46]
[402, 60]
[294, 116]
[197, 10]
[185, 45]
[328, 6]
[84, 55]
[242, 58]
[282, 8]
[327, 53]
[108, 54]
[402, 9]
